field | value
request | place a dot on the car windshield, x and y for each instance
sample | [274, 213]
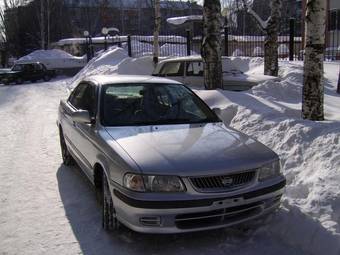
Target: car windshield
[152, 104]
[17, 68]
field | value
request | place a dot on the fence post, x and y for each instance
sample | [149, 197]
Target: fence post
[129, 45]
[291, 38]
[226, 40]
[338, 89]
[188, 42]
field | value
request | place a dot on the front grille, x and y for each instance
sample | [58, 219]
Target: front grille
[218, 217]
[222, 182]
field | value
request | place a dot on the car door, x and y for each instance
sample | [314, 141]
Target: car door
[78, 100]
[173, 70]
[194, 74]
[38, 72]
[27, 73]
[86, 132]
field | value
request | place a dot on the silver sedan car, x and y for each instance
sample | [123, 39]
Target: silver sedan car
[161, 160]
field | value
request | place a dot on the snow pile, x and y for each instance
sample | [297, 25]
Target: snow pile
[46, 54]
[310, 153]
[54, 59]
[141, 48]
[169, 49]
[115, 61]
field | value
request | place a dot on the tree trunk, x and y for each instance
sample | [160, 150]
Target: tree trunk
[338, 89]
[312, 98]
[211, 44]
[156, 31]
[42, 25]
[271, 63]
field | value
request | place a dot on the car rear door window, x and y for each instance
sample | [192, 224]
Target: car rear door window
[194, 69]
[173, 69]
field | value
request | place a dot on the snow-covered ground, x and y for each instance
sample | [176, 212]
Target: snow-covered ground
[47, 208]
[54, 59]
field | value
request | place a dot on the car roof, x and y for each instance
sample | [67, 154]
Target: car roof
[119, 79]
[185, 58]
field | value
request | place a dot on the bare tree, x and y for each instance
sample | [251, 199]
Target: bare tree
[270, 27]
[211, 44]
[156, 31]
[313, 91]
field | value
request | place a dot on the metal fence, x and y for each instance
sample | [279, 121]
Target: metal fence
[236, 42]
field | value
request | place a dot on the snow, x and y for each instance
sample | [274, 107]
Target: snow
[47, 208]
[237, 53]
[309, 151]
[181, 20]
[97, 39]
[54, 59]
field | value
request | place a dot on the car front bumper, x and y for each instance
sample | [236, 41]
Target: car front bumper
[179, 216]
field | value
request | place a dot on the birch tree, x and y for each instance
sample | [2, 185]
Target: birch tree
[211, 44]
[313, 91]
[270, 27]
[156, 31]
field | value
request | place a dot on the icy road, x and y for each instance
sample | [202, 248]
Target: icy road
[47, 208]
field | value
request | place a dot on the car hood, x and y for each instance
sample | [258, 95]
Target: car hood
[191, 150]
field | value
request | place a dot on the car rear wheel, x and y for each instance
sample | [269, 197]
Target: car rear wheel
[47, 78]
[19, 81]
[66, 156]
[109, 220]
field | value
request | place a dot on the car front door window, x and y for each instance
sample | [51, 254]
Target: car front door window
[84, 98]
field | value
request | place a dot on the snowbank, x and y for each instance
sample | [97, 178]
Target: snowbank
[310, 153]
[115, 61]
[54, 59]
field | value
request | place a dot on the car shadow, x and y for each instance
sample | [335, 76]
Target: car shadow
[84, 215]
[277, 234]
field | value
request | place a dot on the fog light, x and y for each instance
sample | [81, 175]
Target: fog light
[150, 221]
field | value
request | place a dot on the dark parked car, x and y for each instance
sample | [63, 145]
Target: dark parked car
[26, 72]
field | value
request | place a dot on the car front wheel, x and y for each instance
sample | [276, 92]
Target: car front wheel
[109, 220]
[66, 156]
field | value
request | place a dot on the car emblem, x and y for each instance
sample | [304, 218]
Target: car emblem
[227, 181]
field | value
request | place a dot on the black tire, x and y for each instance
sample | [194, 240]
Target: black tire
[47, 78]
[109, 220]
[66, 156]
[19, 81]
[33, 81]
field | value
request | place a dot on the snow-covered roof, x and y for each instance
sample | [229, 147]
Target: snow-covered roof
[114, 79]
[131, 4]
[183, 19]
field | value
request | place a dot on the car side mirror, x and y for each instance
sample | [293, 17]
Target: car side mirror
[81, 116]
[218, 111]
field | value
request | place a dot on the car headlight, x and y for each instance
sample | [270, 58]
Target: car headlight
[153, 183]
[269, 171]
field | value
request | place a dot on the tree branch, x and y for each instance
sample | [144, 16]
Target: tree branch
[263, 24]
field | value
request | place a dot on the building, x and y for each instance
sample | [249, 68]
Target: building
[70, 18]
[333, 24]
